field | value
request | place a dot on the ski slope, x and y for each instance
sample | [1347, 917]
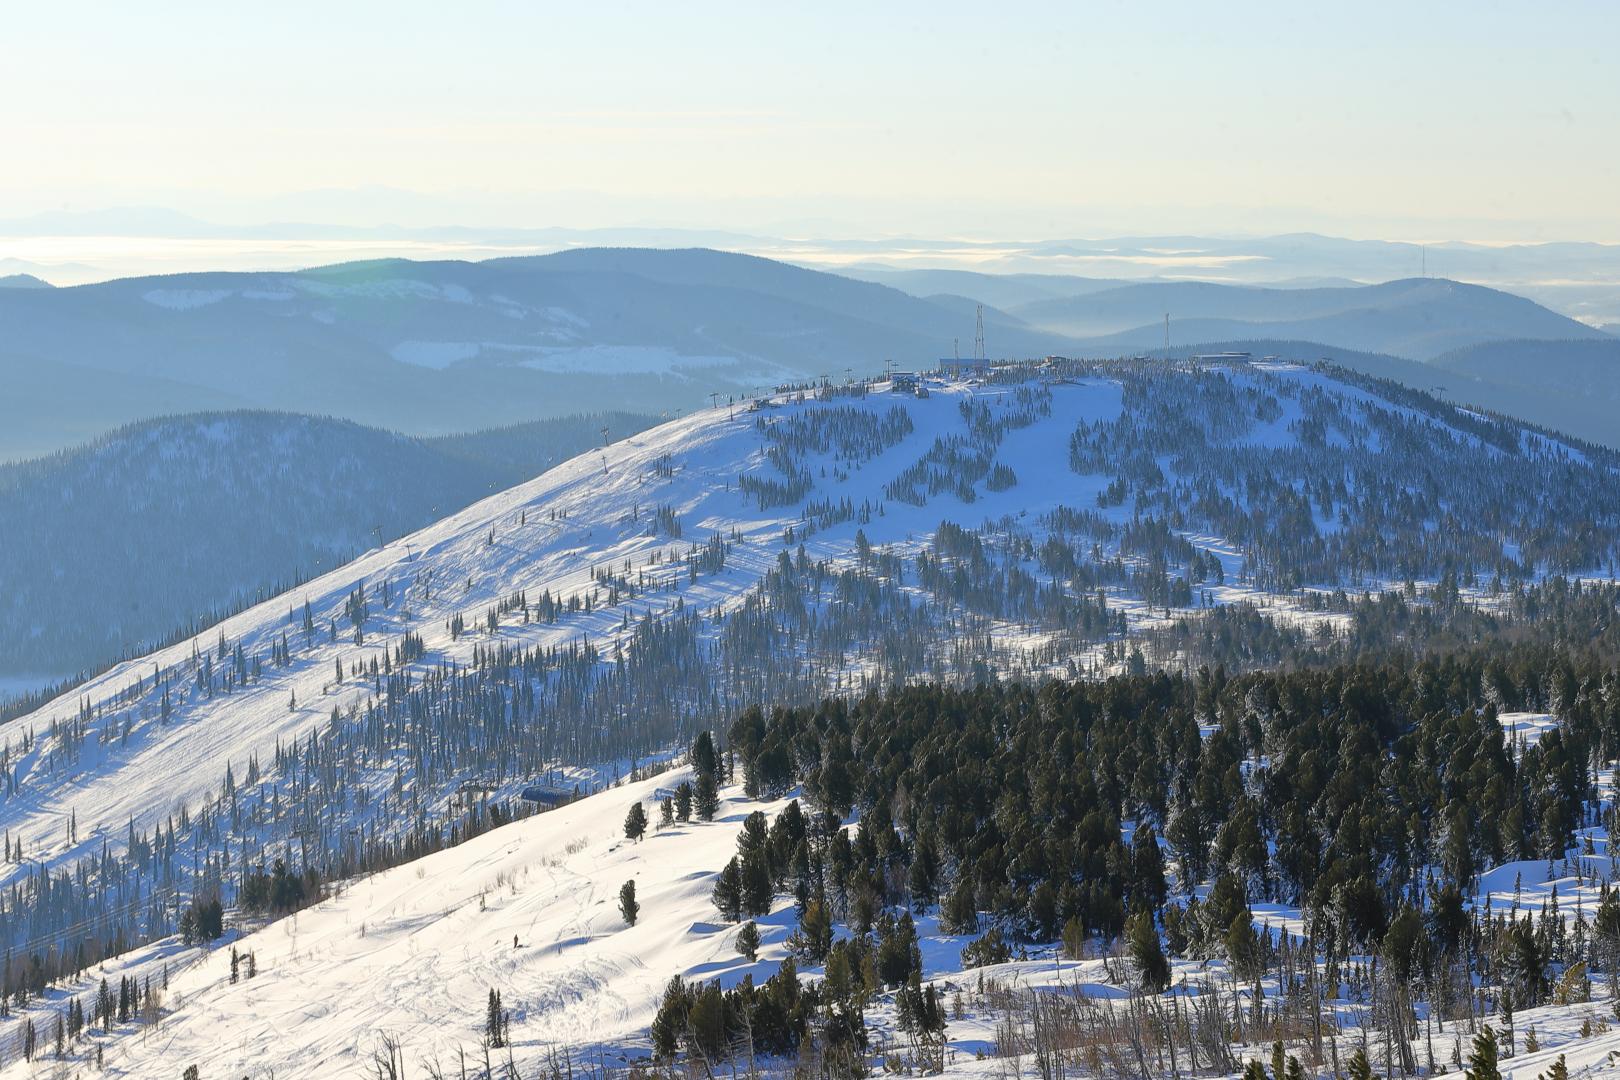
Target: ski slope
[413, 953]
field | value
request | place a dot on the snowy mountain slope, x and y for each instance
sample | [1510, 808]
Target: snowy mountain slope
[1572, 399]
[611, 607]
[530, 910]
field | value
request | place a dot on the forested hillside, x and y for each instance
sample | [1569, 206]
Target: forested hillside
[1398, 866]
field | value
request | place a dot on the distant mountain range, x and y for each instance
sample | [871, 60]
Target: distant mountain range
[113, 545]
[1585, 373]
[435, 347]
[1576, 278]
[1466, 343]
[1419, 318]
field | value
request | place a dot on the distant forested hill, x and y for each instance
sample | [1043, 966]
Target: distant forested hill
[114, 544]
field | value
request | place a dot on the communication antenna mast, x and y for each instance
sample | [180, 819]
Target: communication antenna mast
[1167, 337]
[978, 336]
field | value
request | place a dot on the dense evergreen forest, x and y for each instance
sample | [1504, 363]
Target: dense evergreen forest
[1145, 815]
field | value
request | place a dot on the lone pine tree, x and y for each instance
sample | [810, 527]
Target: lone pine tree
[748, 940]
[628, 907]
[495, 1021]
[1152, 969]
[706, 798]
[728, 892]
[635, 822]
[1482, 1057]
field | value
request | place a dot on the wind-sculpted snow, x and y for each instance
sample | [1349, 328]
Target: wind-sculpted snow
[612, 607]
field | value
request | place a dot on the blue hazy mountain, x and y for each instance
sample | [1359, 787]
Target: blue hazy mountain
[1587, 371]
[436, 347]
[1418, 318]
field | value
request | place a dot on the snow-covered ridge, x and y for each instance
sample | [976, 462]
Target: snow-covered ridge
[732, 555]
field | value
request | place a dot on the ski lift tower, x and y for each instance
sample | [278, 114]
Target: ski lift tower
[979, 358]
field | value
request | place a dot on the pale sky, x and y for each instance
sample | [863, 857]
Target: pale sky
[1394, 120]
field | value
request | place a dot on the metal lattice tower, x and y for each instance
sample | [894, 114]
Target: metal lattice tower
[978, 336]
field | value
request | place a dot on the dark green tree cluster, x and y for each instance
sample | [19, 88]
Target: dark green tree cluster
[280, 891]
[768, 858]
[1009, 800]
[715, 1024]
[203, 920]
[1371, 795]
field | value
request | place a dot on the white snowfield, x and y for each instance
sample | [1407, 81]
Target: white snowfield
[412, 953]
